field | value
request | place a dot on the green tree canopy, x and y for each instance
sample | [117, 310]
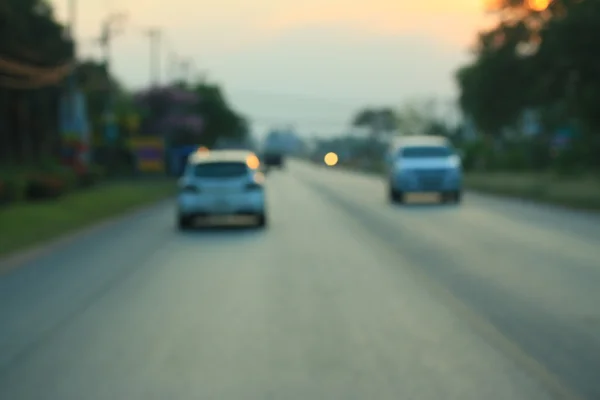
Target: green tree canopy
[33, 53]
[29, 33]
[220, 119]
[535, 59]
[376, 120]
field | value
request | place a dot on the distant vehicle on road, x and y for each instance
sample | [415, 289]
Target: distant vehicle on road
[273, 159]
[417, 164]
[276, 147]
[221, 182]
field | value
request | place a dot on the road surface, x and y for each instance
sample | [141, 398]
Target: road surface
[343, 297]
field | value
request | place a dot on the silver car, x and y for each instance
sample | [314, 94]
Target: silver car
[221, 182]
[417, 164]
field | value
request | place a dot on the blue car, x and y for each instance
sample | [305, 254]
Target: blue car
[424, 164]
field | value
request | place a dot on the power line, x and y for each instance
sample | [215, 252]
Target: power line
[154, 35]
[354, 103]
[172, 58]
[171, 70]
[177, 66]
[111, 27]
[296, 97]
[72, 21]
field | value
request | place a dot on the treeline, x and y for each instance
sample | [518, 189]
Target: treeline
[419, 117]
[533, 89]
[189, 114]
[530, 99]
[35, 57]
[36, 65]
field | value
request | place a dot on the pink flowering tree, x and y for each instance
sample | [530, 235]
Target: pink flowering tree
[199, 115]
[171, 112]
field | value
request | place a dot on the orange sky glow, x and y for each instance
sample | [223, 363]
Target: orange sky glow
[454, 22]
[412, 47]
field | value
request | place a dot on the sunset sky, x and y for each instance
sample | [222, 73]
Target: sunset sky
[309, 63]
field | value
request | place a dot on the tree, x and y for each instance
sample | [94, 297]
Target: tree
[419, 117]
[97, 85]
[221, 120]
[539, 59]
[376, 120]
[198, 115]
[535, 58]
[494, 87]
[171, 112]
[567, 54]
[31, 34]
[35, 56]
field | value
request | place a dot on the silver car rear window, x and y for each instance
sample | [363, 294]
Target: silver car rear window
[426, 152]
[229, 169]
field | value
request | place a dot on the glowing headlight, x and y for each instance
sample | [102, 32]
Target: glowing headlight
[455, 162]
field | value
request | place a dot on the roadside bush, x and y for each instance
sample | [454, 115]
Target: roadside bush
[42, 186]
[573, 160]
[45, 181]
[513, 158]
[116, 162]
[67, 176]
[50, 182]
[4, 191]
[539, 153]
[468, 157]
[91, 177]
[478, 155]
[12, 188]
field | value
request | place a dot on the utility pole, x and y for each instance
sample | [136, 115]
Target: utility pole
[185, 71]
[71, 21]
[172, 67]
[72, 18]
[154, 34]
[68, 126]
[111, 27]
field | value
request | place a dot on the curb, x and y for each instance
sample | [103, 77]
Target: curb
[15, 260]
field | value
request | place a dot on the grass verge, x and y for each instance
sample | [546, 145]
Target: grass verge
[577, 192]
[26, 224]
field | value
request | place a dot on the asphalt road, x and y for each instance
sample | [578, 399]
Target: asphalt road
[343, 297]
